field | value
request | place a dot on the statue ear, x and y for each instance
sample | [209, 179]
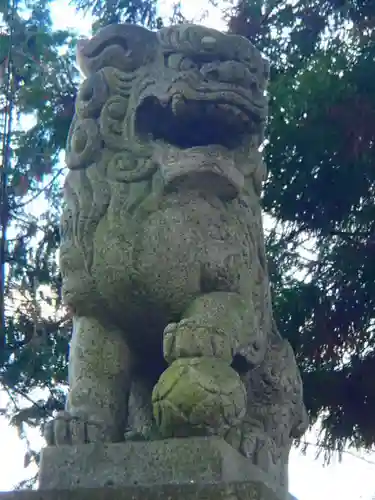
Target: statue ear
[122, 46]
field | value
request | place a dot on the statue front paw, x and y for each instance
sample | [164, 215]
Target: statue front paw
[190, 338]
[67, 429]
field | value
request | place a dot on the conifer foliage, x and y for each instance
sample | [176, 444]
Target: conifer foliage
[38, 86]
[320, 192]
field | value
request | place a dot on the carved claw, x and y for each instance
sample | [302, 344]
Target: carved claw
[189, 339]
[66, 429]
[150, 433]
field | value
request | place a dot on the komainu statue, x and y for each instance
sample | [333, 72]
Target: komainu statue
[162, 250]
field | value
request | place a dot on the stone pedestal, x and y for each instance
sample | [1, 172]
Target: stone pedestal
[172, 461]
[174, 469]
[250, 490]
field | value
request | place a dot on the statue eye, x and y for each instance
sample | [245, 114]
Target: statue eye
[180, 62]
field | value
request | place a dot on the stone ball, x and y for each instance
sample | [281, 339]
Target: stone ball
[198, 396]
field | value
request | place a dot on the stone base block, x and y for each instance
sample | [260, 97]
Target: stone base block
[172, 461]
[250, 490]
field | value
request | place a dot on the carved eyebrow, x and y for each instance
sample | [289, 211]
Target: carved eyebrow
[244, 53]
[254, 65]
[196, 56]
[97, 49]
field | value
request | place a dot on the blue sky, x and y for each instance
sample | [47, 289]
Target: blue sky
[352, 479]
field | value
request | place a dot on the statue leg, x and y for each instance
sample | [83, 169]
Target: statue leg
[99, 379]
[141, 424]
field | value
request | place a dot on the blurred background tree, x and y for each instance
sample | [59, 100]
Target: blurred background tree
[38, 87]
[320, 193]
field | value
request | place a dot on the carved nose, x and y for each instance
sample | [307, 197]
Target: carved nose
[227, 72]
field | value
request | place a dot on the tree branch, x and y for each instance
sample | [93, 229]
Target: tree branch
[347, 452]
[41, 191]
[25, 396]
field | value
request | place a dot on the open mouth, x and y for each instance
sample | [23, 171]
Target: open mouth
[192, 123]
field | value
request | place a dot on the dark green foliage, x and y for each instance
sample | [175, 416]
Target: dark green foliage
[109, 12]
[321, 190]
[39, 87]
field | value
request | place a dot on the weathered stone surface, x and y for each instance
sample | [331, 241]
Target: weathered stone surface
[251, 490]
[173, 461]
[162, 249]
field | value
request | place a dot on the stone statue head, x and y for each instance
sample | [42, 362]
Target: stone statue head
[191, 99]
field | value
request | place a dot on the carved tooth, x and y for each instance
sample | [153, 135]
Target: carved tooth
[164, 101]
[177, 102]
[225, 107]
[164, 104]
[208, 42]
[236, 111]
